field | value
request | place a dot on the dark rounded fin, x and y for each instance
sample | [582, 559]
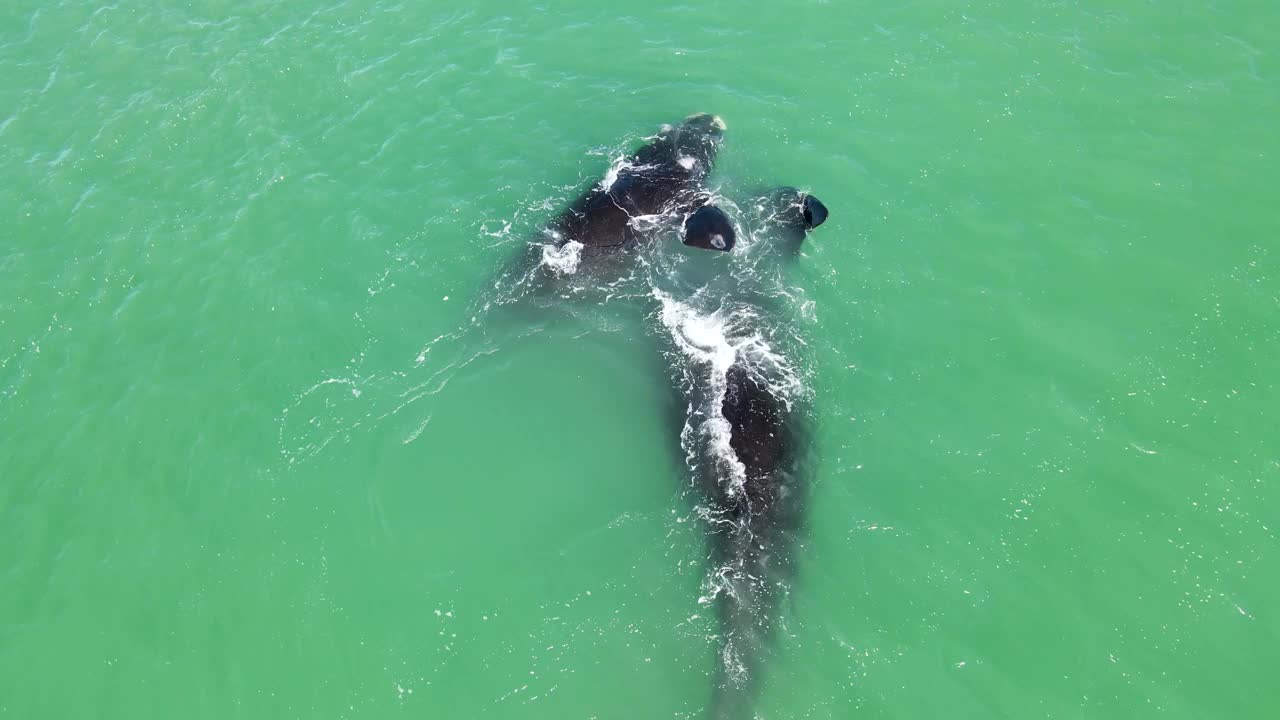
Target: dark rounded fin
[815, 213]
[710, 229]
[796, 208]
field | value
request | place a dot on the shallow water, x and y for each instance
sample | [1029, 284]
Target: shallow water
[258, 461]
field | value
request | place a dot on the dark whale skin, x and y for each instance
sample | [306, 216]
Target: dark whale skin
[663, 176]
[790, 214]
[755, 532]
[758, 509]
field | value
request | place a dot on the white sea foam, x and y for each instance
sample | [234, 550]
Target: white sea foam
[562, 260]
[709, 343]
[611, 175]
[704, 340]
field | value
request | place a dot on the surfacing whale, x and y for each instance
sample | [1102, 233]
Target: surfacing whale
[752, 466]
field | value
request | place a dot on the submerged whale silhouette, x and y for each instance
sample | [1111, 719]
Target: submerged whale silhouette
[756, 499]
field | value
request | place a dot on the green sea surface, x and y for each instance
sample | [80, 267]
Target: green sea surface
[257, 460]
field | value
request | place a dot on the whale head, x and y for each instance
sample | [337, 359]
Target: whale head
[696, 141]
[709, 228]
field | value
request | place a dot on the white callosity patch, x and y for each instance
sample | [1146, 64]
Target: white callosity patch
[687, 162]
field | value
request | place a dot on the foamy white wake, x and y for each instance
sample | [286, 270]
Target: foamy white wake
[705, 345]
[708, 343]
[562, 260]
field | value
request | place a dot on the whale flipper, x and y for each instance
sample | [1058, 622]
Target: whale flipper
[815, 213]
[792, 213]
[710, 228]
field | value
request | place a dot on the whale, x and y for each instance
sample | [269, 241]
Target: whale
[664, 177]
[754, 486]
[756, 521]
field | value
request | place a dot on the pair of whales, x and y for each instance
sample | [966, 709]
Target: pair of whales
[754, 501]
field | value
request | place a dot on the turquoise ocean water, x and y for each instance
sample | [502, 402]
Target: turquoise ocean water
[273, 446]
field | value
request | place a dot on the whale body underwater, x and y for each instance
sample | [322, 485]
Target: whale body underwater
[756, 496]
[755, 501]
